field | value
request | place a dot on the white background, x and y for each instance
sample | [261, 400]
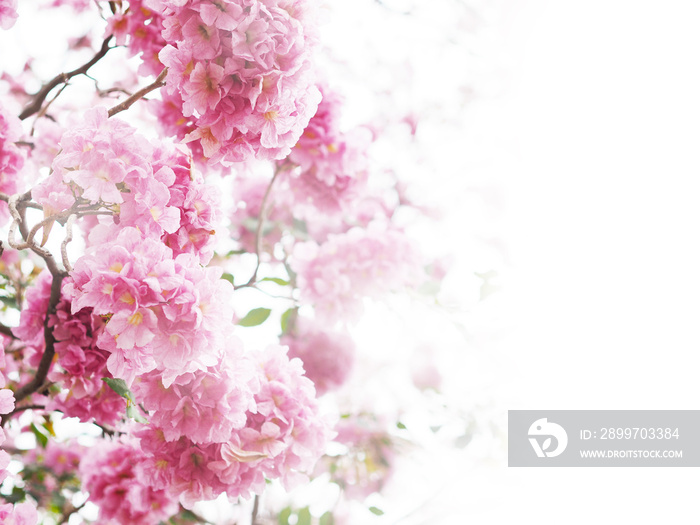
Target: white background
[599, 134]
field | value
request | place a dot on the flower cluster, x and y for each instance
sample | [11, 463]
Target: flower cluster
[82, 365]
[60, 458]
[105, 167]
[336, 275]
[165, 312]
[139, 28]
[112, 472]
[11, 157]
[204, 405]
[328, 356]
[281, 437]
[239, 72]
[369, 460]
[332, 172]
[18, 514]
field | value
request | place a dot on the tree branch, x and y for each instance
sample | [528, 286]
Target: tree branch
[62, 78]
[6, 330]
[126, 104]
[49, 340]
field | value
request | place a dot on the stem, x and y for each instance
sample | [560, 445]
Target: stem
[6, 330]
[256, 503]
[5, 197]
[64, 244]
[258, 231]
[126, 104]
[26, 407]
[63, 78]
[65, 516]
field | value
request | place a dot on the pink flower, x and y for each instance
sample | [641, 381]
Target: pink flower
[8, 13]
[12, 158]
[204, 405]
[369, 460]
[203, 88]
[18, 514]
[112, 473]
[328, 356]
[7, 401]
[99, 177]
[242, 72]
[336, 275]
[333, 165]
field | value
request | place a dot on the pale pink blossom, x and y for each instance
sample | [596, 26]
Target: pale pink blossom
[241, 70]
[328, 355]
[8, 13]
[336, 275]
[18, 514]
[112, 473]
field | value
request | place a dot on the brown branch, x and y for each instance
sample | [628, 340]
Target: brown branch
[5, 197]
[62, 78]
[49, 340]
[6, 330]
[67, 513]
[126, 104]
[25, 407]
[254, 517]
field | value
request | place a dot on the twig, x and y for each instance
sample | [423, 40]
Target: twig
[126, 104]
[62, 78]
[6, 330]
[43, 110]
[259, 230]
[25, 407]
[64, 244]
[254, 517]
[5, 197]
[65, 516]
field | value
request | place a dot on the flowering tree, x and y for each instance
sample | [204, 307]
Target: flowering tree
[123, 289]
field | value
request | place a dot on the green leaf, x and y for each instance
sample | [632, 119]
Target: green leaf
[376, 511]
[284, 320]
[227, 277]
[9, 301]
[283, 517]
[275, 280]
[188, 515]
[300, 226]
[41, 438]
[304, 517]
[400, 425]
[255, 317]
[119, 386]
[18, 494]
[134, 413]
[327, 519]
